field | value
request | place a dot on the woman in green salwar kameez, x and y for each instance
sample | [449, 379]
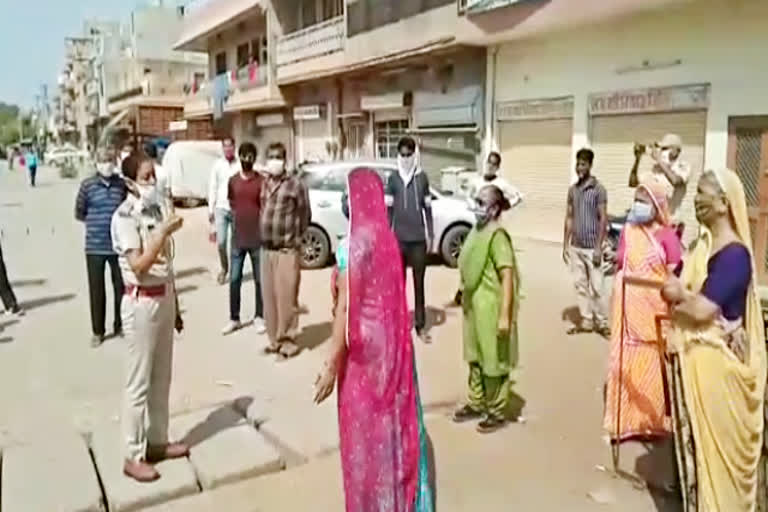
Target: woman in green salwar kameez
[490, 283]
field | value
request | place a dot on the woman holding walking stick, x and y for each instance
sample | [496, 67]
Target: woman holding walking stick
[649, 251]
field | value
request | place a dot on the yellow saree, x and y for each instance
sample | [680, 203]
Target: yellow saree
[723, 397]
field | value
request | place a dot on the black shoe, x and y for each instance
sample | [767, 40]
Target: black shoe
[466, 413]
[16, 310]
[490, 424]
[118, 333]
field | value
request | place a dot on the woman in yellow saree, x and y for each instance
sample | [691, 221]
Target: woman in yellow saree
[718, 356]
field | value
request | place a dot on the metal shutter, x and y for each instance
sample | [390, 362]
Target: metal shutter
[311, 137]
[613, 138]
[271, 134]
[536, 158]
[441, 150]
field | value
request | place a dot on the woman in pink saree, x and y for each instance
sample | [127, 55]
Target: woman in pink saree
[383, 440]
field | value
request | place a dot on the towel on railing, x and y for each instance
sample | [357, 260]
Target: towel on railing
[220, 94]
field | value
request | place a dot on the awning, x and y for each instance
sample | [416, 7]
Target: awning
[208, 18]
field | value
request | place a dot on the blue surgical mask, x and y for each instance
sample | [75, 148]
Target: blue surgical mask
[641, 213]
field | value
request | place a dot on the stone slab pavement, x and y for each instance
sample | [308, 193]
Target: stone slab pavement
[224, 447]
[53, 377]
[126, 495]
[54, 474]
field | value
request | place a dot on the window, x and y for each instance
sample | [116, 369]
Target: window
[221, 63]
[388, 134]
[243, 55]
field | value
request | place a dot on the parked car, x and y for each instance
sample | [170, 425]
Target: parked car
[188, 165]
[67, 152]
[326, 183]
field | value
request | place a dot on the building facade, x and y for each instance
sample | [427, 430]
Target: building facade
[622, 74]
[334, 79]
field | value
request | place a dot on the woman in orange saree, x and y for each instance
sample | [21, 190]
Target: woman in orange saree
[648, 250]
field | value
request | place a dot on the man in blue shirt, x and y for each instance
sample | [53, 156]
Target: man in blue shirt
[99, 196]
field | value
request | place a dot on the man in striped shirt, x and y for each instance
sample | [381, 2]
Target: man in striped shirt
[98, 198]
[586, 222]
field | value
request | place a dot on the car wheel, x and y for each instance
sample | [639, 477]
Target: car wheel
[315, 248]
[451, 245]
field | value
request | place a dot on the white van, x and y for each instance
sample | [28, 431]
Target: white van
[188, 164]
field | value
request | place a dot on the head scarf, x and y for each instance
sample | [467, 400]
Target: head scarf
[377, 393]
[407, 173]
[727, 422]
[658, 194]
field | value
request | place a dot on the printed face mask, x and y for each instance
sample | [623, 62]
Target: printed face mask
[641, 213]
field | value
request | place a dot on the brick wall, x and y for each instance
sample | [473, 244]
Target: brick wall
[197, 129]
[154, 121]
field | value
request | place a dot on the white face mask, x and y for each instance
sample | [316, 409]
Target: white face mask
[148, 194]
[406, 163]
[105, 169]
[275, 166]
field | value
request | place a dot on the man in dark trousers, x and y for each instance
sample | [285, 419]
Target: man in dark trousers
[244, 193]
[98, 198]
[410, 208]
[10, 303]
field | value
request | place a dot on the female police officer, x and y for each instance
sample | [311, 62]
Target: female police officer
[141, 238]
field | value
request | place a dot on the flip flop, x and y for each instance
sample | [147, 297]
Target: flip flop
[574, 330]
[288, 349]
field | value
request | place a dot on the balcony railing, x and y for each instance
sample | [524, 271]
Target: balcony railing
[314, 41]
[478, 6]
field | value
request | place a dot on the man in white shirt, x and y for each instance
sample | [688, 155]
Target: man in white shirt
[161, 178]
[669, 169]
[219, 213]
[490, 176]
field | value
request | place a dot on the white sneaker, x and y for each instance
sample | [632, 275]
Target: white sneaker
[259, 325]
[232, 326]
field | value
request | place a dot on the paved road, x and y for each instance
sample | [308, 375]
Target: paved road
[54, 383]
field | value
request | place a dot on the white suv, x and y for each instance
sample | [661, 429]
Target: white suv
[326, 183]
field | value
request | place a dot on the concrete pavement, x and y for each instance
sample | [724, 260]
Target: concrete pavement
[56, 386]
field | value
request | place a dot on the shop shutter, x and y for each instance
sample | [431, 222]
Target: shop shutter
[613, 139]
[536, 158]
[446, 149]
[269, 135]
[311, 137]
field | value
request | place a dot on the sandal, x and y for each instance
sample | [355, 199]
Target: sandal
[272, 348]
[288, 349]
[577, 329]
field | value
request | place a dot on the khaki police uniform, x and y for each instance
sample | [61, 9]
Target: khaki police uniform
[148, 314]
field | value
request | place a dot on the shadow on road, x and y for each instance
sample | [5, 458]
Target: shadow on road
[9, 323]
[28, 282]
[5, 339]
[312, 336]
[44, 301]
[571, 315]
[516, 404]
[223, 418]
[181, 290]
[189, 272]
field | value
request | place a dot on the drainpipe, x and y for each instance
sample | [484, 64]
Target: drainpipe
[489, 143]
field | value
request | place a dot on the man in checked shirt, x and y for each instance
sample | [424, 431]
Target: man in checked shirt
[285, 216]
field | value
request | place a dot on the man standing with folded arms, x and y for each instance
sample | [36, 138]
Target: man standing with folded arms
[285, 216]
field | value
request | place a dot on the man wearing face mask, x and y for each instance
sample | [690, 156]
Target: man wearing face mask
[219, 213]
[245, 201]
[669, 169]
[285, 216]
[410, 208]
[97, 200]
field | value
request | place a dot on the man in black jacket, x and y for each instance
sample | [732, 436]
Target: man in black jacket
[410, 210]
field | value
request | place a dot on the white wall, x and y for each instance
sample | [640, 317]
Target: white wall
[719, 42]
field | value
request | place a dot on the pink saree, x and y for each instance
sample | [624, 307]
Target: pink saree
[377, 394]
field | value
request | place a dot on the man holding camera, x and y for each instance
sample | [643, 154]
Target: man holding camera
[669, 169]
